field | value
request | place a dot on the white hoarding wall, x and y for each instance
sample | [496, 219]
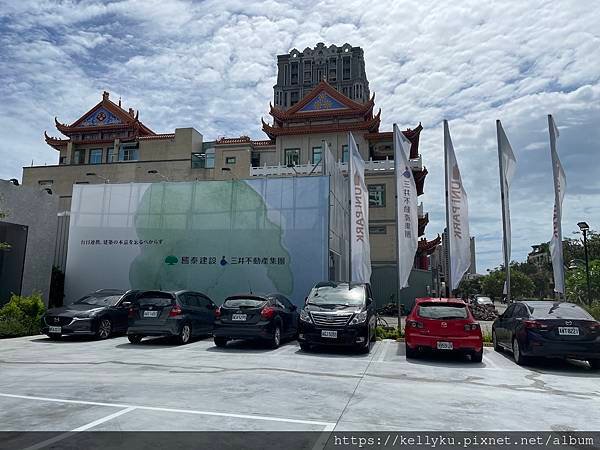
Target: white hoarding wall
[216, 237]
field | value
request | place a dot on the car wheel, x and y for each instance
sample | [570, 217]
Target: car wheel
[55, 336]
[305, 347]
[220, 341]
[104, 329]
[518, 356]
[477, 357]
[135, 338]
[495, 342]
[276, 338]
[185, 334]
[410, 353]
[594, 363]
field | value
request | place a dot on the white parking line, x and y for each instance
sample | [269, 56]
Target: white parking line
[183, 411]
[383, 347]
[62, 436]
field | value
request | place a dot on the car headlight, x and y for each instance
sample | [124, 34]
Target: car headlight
[361, 317]
[305, 316]
[81, 317]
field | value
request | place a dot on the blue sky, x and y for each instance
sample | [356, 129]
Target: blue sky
[211, 65]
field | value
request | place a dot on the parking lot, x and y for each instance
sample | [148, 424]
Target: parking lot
[77, 384]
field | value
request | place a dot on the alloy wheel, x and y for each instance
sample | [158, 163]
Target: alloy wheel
[185, 334]
[104, 329]
[277, 337]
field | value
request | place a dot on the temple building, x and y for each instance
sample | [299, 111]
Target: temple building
[321, 94]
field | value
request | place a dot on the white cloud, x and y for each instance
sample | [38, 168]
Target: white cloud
[212, 65]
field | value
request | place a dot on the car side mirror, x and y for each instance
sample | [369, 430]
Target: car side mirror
[126, 305]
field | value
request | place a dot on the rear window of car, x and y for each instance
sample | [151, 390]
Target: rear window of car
[484, 300]
[243, 302]
[445, 311]
[155, 300]
[558, 311]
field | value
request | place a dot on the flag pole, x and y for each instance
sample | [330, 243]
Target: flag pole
[447, 181]
[349, 212]
[397, 174]
[503, 198]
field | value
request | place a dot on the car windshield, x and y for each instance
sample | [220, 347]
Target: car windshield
[548, 310]
[99, 300]
[484, 300]
[337, 296]
[445, 311]
[244, 302]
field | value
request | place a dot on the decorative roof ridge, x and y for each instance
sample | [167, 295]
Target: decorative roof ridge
[158, 136]
[127, 117]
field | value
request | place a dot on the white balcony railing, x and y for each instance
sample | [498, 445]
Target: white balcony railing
[386, 165]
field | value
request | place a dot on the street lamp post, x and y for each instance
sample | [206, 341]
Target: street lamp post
[584, 227]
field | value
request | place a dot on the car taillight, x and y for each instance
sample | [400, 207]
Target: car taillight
[595, 326]
[175, 311]
[218, 312]
[471, 326]
[267, 313]
[414, 324]
[534, 324]
[131, 312]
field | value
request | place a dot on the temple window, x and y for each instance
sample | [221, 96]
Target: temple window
[230, 160]
[292, 156]
[128, 153]
[255, 159]
[332, 69]
[344, 153]
[111, 155]
[96, 156]
[294, 73]
[204, 160]
[376, 195]
[316, 155]
[79, 157]
[307, 72]
[294, 97]
[346, 68]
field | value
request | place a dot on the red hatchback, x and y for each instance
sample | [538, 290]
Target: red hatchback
[444, 324]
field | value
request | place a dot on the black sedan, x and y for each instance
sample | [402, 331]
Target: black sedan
[98, 314]
[270, 318]
[547, 329]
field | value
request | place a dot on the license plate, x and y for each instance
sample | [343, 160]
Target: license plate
[239, 316]
[445, 346]
[329, 334]
[568, 331]
[150, 313]
[54, 330]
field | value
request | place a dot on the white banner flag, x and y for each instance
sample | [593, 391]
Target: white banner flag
[406, 208]
[360, 251]
[560, 184]
[508, 165]
[457, 212]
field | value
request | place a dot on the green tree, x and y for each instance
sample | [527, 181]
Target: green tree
[521, 285]
[468, 287]
[21, 316]
[576, 283]
[573, 248]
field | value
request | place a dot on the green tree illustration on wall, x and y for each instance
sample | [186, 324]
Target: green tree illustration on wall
[171, 260]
